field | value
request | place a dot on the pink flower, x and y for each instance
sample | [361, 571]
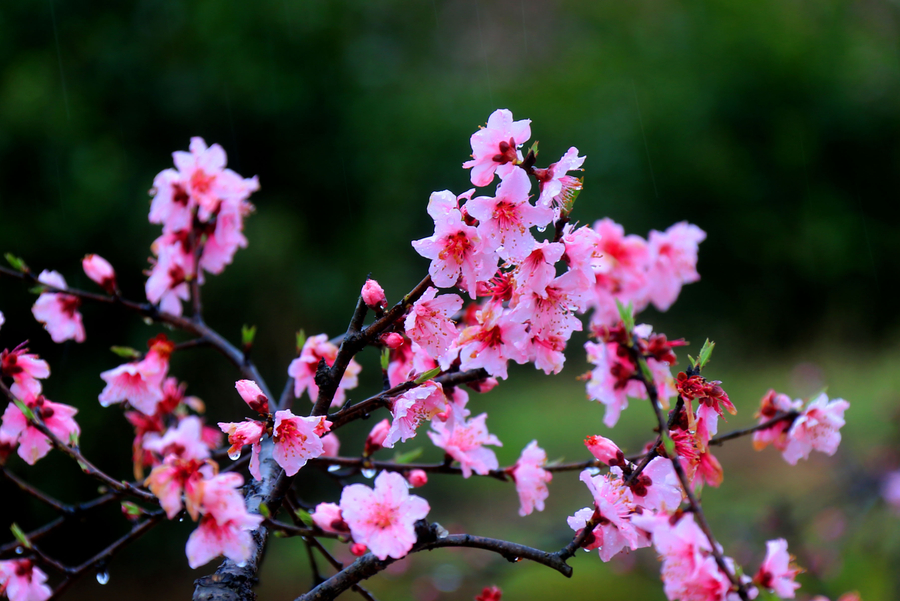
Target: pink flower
[505, 221]
[225, 526]
[253, 396]
[172, 268]
[608, 379]
[457, 252]
[241, 434]
[664, 492]
[25, 369]
[465, 441]
[178, 484]
[776, 572]
[205, 177]
[583, 251]
[376, 438]
[673, 262]
[171, 206]
[139, 383]
[497, 338]
[605, 450]
[100, 271]
[538, 269]
[57, 311]
[184, 441]
[297, 439]
[620, 272]
[413, 407]
[373, 295]
[327, 516]
[816, 428]
[227, 237]
[383, 519]
[330, 445]
[494, 148]
[531, 478]
[428, 324]
[489, 593]
[33, 444]
[2, 319]
[614, 506]
[771, 405]
[303, 369]
[557, 187]
[21, 580]
[417, 478]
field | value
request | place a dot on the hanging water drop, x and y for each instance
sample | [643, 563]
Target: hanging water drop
[542, 228]
[593, 470]
[243, 564]
[368, 472]
[234, 455]
[333, 468]
[19, 550]
[440, 531]
[102, 576]
[181, 519]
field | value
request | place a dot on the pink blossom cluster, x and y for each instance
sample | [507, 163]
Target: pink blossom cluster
[201, 206]
[816, 427]
[296, 439]
[17, 431]
[58, 311]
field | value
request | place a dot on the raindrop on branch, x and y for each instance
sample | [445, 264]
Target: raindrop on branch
[103, 577]
[333, 468]
[234, 455]
[368, 473]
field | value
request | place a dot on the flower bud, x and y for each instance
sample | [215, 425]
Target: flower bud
[99, 270]
[253, 396]
[373, 295]
[330, 445]
[358, 549]
[417, 478]
[375, 441]
[605, 450]
[392, 340]
[327, 516]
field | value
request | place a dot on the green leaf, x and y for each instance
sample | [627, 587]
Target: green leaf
[126, 352]
[264, 510]
[20, 536]
[304, 517]
[73, 439]
[534, 149]
[705, 353]
[428, 375]
[25, 409]
[669, 445]
[409, 456]
[84, 467]
[626, 313]
[385, 358]
[248, 333]
[301, 340]
[130, 509]
[17, 263]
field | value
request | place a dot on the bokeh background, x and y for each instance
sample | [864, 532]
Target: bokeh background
[772, 124]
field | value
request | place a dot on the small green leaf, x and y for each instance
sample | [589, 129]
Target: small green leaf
[705, 354]
[626, 313]
[279, 534]
[264, 510]
[37, 290]
[20, 536]
[17, 263]
[645, 370]
[304, 517]
[534, 149]
[248, 333]
[669, 445]
[301, 340]
[126, 352]
[25, 409]
[131, 509]
[84, 467]
[428, 375]
[73, 439]
[409, 456]
[385, 358]
[555, 462]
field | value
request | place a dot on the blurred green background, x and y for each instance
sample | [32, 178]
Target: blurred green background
[771, 124]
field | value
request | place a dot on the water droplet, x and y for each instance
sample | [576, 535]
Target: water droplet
[368, 473]
[440, 531]
[243, 564]
[19, 550]
[516, 559]
[234, 455]
[181, 519]
[542, 228]
[333, 468]
[103, 577]
[593, 470]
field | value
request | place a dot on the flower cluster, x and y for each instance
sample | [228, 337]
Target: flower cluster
[21, 580]
[201, 206]
[817, 427]
[303, 369]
